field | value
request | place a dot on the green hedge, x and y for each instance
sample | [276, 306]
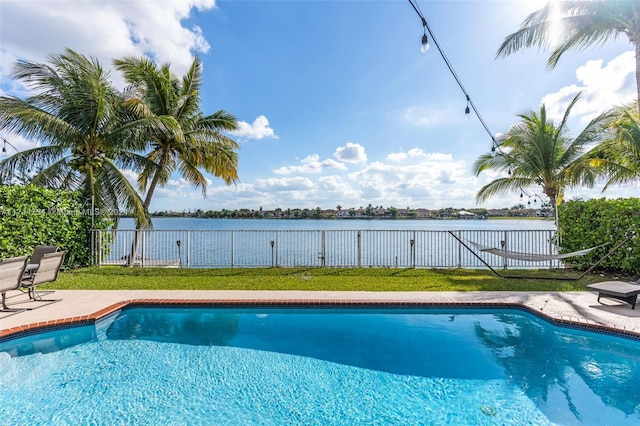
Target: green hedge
[590, 223]
[31, 216]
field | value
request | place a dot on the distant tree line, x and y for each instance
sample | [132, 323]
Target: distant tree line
[369, 212]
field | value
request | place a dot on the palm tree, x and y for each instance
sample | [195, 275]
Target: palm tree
[582, 24]
[538, 153]
[77, 115]
[190, 141]
[618, 156]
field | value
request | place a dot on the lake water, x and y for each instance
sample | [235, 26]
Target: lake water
[166, 223]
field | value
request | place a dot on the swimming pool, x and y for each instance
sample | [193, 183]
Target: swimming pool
[261, 365]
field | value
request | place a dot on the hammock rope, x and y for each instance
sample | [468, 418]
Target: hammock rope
[531, 257]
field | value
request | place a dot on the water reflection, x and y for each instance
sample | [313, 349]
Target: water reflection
[50, 341]
[548, 362]
[408, 344]
[186, 326]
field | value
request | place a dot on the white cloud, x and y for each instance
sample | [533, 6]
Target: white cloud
[418, 179]
[292, 191]
[397, 156]
[414, 178]
[332, 188]
[104, 29]
[257, 130]
[280, 184]
[351, 153]
[311, 164]
[421, 179]
[417, 154]
[602, 85]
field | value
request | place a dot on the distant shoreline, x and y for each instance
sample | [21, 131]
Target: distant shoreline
[359, 218]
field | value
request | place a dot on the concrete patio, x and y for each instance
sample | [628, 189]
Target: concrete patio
[569, 307]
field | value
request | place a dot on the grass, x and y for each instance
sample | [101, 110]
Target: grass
[332, 279]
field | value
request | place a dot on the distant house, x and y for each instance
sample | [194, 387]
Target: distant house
[423, 213]
[463, 214]
[497, 212]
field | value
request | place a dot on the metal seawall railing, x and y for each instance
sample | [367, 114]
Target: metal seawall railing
[319, 248]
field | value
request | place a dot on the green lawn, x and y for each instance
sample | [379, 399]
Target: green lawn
[352, 279]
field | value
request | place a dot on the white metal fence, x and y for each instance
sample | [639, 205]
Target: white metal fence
[320, 248]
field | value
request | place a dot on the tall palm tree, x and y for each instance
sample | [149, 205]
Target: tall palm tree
[77, 115]
[581, 24]
[618, 156]
[539, 153]
[190, 140]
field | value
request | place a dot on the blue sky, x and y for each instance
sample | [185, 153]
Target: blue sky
[335, 101]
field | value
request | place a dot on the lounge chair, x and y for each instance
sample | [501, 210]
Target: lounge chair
[36, 257]
[11, 274]
[47, 272]
[619, 290]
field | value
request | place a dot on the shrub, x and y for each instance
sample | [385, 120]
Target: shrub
[590, 223]
[31, 216]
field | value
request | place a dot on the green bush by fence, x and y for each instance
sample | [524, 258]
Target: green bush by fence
[585, 224]
[31, 216]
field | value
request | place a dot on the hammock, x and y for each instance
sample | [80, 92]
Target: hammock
[531, 257]
[538, 257]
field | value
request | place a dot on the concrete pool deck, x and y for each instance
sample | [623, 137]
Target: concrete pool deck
[78, 306]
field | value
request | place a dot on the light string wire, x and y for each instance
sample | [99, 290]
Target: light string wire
[495, 145]
[470, 102]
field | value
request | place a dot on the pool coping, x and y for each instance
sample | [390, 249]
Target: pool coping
[91, 319]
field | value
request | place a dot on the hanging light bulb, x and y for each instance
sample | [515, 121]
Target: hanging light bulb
[521, 195]
[425, 43]
[467, 110]
[509, 172]
[493, 151]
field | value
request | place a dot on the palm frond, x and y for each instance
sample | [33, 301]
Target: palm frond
[58, 175]
[123, 193]
[503, 186]
[583, 23]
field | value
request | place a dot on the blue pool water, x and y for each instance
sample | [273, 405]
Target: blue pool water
[268, 366]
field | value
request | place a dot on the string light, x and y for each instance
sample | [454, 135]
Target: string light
[470, 104]
[495, 145]
[425, 39]
[4, 146]
[7, 175]
[466, 110]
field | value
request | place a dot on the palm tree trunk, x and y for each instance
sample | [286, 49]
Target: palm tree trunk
[554, 204]
[553, 200]
[150, 191]
[147, 203]
[636, 43]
